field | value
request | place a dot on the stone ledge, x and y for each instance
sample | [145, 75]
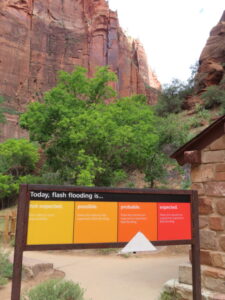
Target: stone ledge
[184, 291]
[31, 271]
[33, 268]
[185, 273]
[175, 288]
[211, 278]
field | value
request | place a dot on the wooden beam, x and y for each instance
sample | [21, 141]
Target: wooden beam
[192, 157]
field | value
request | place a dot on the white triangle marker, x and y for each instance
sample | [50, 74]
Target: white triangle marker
[137, 244]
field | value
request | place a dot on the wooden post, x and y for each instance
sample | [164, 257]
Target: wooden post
[19, 244]
[13, 224]
[6, 230]
[195, 249]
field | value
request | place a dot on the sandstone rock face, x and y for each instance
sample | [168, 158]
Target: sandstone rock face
[40, 37]
[211, 69]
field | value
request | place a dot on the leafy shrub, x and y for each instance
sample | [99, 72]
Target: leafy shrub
[201, 118]
[204, 114]
[8, 190]
[172, 131]
[172, 97]
[173, 295]
[6, 267]
[213, 96]
[55, 290]
[18, 157]
[167, 105]
[194, 122]
[186, 184]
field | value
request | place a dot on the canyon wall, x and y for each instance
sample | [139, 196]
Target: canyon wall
[40, 37]
[212, 60]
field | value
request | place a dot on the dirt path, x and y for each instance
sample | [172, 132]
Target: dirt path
[114, 277]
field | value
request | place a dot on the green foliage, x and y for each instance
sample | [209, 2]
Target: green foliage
[7, 185]
[8, 190]
[186, 184]
[118, 176]
[55, 290]
[3, 281]
[169, 296]
[45, 178]
[172, 97]
[18, 157]
[169, 99]
[202, 117]
[213, 96]
[155, 167]
[192, 79]
[92, 90]
[89, 142]
[6, 267]
[173, 131]
[102, 142]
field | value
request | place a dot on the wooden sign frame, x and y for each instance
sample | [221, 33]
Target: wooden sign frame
[22, 228]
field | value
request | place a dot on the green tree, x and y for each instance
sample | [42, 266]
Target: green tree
[18, 157]
[8, 189]
[173, 95]
[171, 98]
[87, 141]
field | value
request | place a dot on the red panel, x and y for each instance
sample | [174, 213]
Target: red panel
[174, 221]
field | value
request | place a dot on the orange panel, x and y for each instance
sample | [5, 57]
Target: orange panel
[134, 217]
[95, 222]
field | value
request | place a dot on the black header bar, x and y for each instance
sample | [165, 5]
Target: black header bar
[106, 197]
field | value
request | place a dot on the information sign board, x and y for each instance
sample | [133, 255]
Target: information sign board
[68, 217]
[62, 217]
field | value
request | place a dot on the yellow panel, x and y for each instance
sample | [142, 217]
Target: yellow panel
[50, 222]
[95, 222]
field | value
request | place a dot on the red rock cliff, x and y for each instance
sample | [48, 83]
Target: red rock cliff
[212, 60]
[40, 37]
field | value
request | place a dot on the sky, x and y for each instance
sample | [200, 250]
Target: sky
[173, 32]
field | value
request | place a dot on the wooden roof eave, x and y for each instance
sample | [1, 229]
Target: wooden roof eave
[200, 141]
